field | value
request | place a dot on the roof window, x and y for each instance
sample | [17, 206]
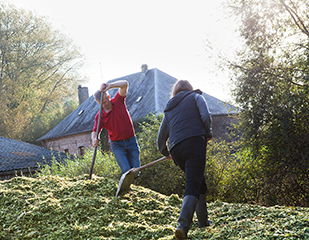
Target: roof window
[139, 99]
[80, 112]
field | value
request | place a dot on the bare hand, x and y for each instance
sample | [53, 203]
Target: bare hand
[95, 142]
[104, 87]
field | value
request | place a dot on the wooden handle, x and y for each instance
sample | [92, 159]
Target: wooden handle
[97, 135]
[150, 164]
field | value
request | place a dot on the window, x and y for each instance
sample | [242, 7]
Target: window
[81, 150]
[139, 99]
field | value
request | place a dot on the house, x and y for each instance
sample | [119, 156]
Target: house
[19, 158]
[149, 91]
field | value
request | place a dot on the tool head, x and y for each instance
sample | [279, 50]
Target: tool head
[128, 177]
[126, 180]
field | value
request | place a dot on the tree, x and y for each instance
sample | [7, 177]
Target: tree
[272, 89]
[38, 69]
[42, 123]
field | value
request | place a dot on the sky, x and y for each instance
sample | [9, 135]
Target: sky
[118, 36]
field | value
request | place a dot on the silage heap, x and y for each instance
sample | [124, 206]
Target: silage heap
[64, 208]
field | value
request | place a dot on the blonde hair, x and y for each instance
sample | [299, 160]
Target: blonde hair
[181, 85]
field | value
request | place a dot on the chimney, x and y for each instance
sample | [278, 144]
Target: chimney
[144, 68]
[83, 94]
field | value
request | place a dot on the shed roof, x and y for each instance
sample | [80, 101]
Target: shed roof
[16, 155]
[148, 91]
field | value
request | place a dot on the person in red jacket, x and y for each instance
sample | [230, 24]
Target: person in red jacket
[116, 119]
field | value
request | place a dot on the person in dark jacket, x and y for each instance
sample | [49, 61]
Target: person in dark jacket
[187, 125]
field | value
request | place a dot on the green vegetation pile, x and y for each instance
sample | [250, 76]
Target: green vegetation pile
[53, 207]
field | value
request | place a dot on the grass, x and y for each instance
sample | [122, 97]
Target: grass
[53, 207]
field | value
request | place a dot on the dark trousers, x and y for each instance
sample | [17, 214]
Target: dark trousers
[190, 156]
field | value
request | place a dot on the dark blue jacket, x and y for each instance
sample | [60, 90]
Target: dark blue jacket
[186, 115]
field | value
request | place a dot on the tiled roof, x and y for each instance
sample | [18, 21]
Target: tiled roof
[15, 155]
[148, 92]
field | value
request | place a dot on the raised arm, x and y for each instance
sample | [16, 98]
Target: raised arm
[121, 84]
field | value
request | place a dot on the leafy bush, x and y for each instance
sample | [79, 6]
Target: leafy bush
[105, 165]
[43, 122]
[236, 176]
[231, 173]
[164, 177]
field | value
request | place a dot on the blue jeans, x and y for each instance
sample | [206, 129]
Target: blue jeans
[126, 153]
[190, 156]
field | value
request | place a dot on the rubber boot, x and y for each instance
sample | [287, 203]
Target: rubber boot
[201, 212]
[186, 215]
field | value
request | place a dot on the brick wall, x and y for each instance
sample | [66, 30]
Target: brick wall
[72, 143]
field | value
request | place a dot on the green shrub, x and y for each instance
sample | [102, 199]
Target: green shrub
[231, 173]
[105, 165]
[164, 177]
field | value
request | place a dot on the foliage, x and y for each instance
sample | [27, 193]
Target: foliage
[38, 70]
[105, 165]
[53, 207]
[42, 123]
[232, 174]
[271, 87]
[164, 177]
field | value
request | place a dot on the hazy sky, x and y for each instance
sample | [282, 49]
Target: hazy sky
[121, 35]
